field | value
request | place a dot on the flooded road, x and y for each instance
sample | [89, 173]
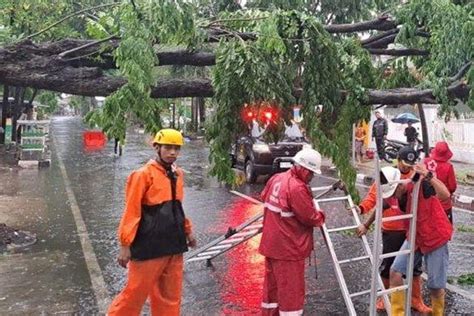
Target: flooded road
[54, 275]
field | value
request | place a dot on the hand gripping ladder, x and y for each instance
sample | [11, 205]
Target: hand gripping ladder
[376, 281]
[374, 292]
[240, 234]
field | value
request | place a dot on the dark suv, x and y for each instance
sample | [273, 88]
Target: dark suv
[257, 157]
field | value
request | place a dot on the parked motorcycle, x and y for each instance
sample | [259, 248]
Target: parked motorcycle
[393, 146]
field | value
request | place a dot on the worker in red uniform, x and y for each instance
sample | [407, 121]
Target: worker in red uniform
[287, 236]
[394, 232]
[154, 233]
[433, 232]
[438, 163]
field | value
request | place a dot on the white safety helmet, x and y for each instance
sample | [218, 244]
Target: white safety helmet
[390, 174]
[310, 159]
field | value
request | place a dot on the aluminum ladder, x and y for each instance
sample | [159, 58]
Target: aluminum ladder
[377, 288]
[243, 232]
[412, 217]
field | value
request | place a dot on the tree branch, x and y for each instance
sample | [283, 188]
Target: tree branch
[92, 82]
[367, 42]
[382, 23]
[87, 45]
[464, 69]
[234, 20]
[399, 52]
[383, 39]
[68, 17]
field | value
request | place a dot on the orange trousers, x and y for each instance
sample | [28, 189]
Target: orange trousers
[160, 279]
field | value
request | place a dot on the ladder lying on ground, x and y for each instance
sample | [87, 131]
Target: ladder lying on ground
[252, 227]
[240, 234]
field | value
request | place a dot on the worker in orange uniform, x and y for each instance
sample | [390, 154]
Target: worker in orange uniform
[438, 163]
[287, 236]
[154, 233]
[394, 232]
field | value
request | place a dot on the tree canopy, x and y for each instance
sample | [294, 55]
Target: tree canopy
[322, 55]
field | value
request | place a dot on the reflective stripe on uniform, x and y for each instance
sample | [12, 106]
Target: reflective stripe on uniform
[276, 209]
[292, 313]
[269, 305]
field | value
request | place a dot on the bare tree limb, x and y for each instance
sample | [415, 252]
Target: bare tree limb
[382, 23]
[377, 37]
[464, 69]
[399, 52]
[383, 39]
[87, 45]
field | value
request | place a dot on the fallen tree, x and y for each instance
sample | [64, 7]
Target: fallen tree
[37, 66]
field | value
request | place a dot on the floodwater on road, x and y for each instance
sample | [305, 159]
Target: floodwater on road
[53, 276]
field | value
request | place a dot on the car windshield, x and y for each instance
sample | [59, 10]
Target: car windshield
[292, 132]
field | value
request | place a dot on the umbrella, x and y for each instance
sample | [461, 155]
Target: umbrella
[405, 118]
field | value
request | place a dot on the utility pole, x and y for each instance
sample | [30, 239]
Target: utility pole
[174, 115]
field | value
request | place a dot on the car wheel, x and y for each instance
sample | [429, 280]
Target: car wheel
[250, 174]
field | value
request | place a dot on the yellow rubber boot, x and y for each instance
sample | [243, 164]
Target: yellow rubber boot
[380, 303]
[416, 297]
[397, 300]
[438, 305]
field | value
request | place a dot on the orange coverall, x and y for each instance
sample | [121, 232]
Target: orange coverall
[159, 278]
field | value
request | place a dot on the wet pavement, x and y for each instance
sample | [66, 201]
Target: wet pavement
[52, 276]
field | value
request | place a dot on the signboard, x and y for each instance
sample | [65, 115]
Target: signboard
[8, 131]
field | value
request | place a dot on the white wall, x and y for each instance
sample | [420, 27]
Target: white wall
[458, 133]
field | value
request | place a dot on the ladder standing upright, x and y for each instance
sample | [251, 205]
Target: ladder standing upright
[412, 217]
[377, 288]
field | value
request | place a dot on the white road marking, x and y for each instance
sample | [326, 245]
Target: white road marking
[95, 273]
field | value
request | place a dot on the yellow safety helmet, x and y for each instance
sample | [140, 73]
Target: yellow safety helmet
[168, 136]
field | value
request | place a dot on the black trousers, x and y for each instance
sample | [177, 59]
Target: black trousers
[379, 141]
[392, 241]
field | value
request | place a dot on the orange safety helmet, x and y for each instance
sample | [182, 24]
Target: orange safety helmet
[168, 136]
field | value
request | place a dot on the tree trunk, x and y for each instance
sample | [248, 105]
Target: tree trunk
[194, 115]
[173, 115]
[38, 67]
[424, 129]
[5, 111]
[17, 108]
[202, 112]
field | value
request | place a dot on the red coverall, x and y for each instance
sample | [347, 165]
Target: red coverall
[444, 171]
[287, 239]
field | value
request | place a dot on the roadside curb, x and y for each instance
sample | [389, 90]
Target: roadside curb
[454, 289]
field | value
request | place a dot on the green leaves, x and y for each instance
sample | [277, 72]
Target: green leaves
[292, 48]
[451, 29]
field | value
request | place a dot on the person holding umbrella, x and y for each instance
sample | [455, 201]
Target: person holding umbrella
[410, 132]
